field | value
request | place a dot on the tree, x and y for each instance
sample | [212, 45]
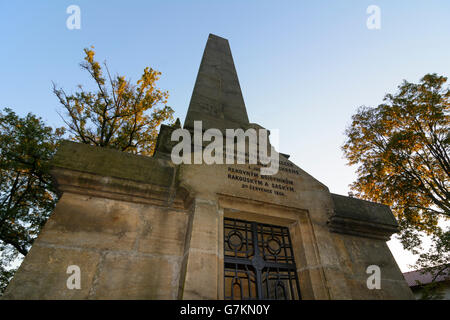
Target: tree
[436, 262]
[401, 148]
[117, 114]
[27, 195]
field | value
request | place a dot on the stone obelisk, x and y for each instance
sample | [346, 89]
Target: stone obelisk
[217, 98]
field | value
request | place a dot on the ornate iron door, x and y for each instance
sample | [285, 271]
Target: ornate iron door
[259, 262]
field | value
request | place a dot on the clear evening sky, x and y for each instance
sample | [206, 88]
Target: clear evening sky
[304, 66]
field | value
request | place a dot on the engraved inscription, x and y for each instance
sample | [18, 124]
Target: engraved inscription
[251, 179]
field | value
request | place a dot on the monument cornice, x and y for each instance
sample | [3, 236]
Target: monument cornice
[362, 218]
[77, 168]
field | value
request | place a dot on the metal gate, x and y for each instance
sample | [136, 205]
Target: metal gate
[259, 262]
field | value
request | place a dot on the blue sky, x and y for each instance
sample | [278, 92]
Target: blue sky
[304, 67]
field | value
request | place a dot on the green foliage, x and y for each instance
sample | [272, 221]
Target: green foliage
[436, 261]
[401, 148]
[432, 291]
[27, 195]
[119, 115]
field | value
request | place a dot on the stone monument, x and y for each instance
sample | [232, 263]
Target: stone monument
[136, 227]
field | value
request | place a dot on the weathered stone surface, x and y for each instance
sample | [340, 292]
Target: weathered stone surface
[87, 222]
[112, 163]
[124, 250]
[202, 252]
[362, 218]
[363, 210]
[357, 254]
[43, 275]
[201, 276]
[164, 143]
[127, 276]
[163, 231]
